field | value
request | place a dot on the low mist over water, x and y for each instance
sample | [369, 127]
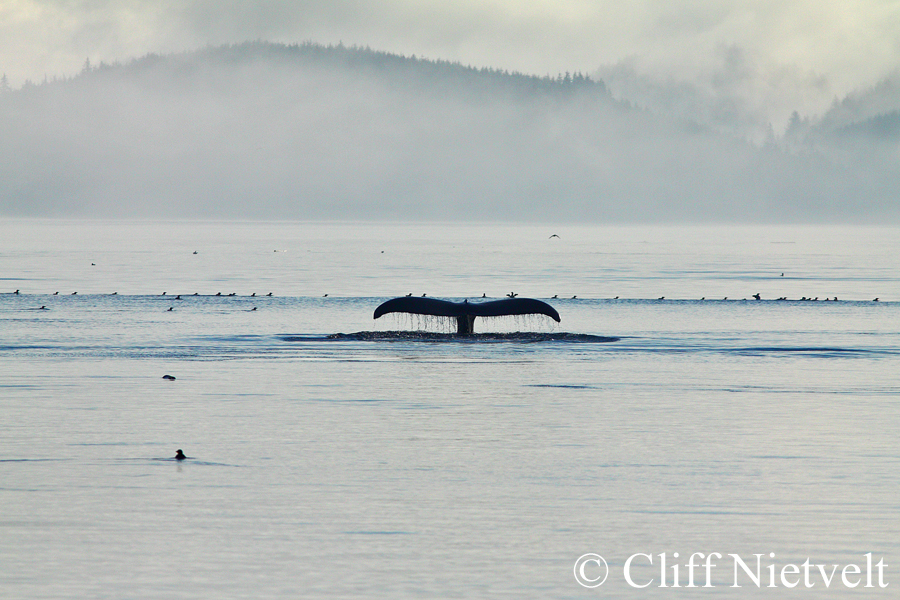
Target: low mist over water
[272, 131]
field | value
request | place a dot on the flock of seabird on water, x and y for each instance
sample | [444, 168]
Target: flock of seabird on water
[756, 296]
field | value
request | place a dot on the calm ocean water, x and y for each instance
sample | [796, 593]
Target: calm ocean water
[422, 465]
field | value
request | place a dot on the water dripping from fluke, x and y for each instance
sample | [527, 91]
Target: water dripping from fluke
[465, 312]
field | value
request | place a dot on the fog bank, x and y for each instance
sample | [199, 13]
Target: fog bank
[263, 130]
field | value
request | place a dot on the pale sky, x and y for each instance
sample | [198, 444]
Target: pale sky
[852, 43]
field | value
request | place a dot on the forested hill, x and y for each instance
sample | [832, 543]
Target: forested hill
[203, 67]
[308, 131]
[866, 117]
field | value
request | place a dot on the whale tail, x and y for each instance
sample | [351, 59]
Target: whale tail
[465, 312]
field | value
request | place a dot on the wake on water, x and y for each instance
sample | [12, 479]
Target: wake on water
[429, 336]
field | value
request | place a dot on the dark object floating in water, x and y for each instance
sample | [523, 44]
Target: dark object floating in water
[465, 312]
[179, 455]
[168, 378]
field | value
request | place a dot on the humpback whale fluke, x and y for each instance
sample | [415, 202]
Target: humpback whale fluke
[465, 312]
